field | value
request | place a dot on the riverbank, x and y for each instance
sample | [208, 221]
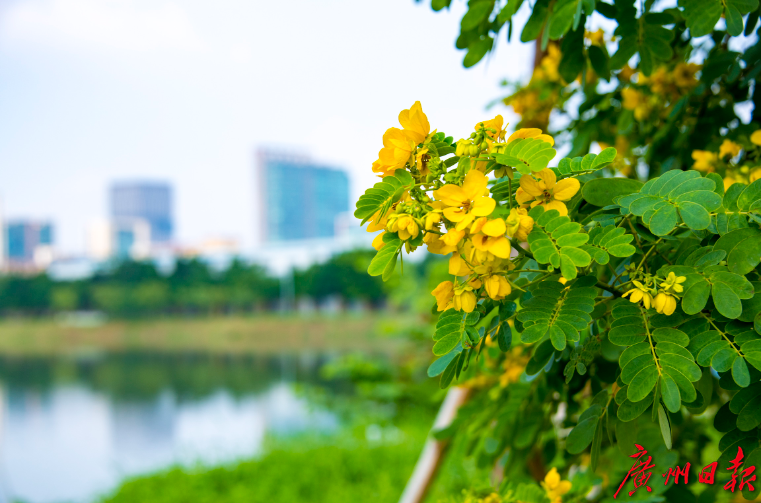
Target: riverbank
[261, 334]
[369, 465]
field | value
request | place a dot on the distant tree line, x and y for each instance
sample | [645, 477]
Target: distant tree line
[138, 289]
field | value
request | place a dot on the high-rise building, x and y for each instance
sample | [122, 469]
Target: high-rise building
[29, 244]
[146, 201]
[300, 199]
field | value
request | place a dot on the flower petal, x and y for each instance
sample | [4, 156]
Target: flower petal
[474, 184]
[566, 189]
[556, 205]
[494, 227]
[548, 177]
[483, 206]
[531, 186]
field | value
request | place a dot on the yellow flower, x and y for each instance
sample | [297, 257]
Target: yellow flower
[640, 293]
[673, 283]
[665, 303]
[519, 224]
[378, 241]
[458, 266]
[531, 133]
[636, 101]
[464, 298]
[497, 287]
[466, 203]
[555, 487]
[444, 294]
[755, 174]
[398, 144]
[405, 226]
[452, 237]
[730, 148]
[415, 123]
[496, 125]
[548, 67]
[514, 365]
[684, 75]
[377, 222]
[755, 138]
[595, 37]
[546, 191]
[703, 160]
[432, 220]
[489, 236]
[437, 245]
[396, 152]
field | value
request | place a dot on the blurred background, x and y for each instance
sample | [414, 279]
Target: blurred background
[184, 304]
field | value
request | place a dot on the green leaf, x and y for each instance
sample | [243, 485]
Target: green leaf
[383, 194]
[702, 15]
[643, 383]
[438, 366]
[449, 331]
[740, 372]
[663, 422]
[628, 410]
[581, 436]
[670, 394]
[743, 248]
[527, 155]
[385, 259]
[602, 191]
[476, 51]
[750, 415]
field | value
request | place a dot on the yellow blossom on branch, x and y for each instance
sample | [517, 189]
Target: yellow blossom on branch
[531, 133]
[755, 138]
[398, 144]
[639, 293]
[665, 303]
[519, 224]
[497, 287]
[704, 160]
[546, 191]
[437, 245]
[554, 487]
[466, 203]
[728, 147]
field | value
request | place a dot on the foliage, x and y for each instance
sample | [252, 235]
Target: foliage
[670, 84]
[137, 289]
[578, 303]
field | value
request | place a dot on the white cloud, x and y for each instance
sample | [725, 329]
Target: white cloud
[101, 25]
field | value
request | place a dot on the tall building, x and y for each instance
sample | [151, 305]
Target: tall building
[29, 244]
[300, 199]
[144, 201]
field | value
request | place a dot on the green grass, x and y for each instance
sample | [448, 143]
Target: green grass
[259, 334]
[316, 471]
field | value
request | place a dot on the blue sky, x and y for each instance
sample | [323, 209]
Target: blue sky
[98, 90]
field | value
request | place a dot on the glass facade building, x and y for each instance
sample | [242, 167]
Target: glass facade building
[300, 199]
[148, 201]
[24, 237]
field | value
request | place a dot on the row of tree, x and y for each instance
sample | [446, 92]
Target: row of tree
[133, 289]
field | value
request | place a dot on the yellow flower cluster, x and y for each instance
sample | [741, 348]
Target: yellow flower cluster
[453, 212]
[663, 299]
[554, 487]
[725, 161]
[665, 86]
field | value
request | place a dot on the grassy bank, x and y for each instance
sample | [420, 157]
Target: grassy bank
[265, 334]
[334, 470]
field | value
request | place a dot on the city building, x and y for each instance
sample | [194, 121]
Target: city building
[28, 245]
[149, 202]
[299, 199]
[120, 238]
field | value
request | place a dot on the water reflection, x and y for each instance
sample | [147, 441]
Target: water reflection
[72, 429]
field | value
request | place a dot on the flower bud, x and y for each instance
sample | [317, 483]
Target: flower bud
[474, 150]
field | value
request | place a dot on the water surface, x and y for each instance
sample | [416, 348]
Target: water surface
[72, 429]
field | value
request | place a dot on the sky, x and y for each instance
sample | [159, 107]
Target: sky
[95, 91]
